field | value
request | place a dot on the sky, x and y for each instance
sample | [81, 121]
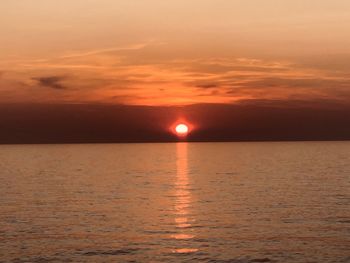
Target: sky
[176, 54]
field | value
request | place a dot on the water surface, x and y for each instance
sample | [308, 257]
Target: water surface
[185, 202]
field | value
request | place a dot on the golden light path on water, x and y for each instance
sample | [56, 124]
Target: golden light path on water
[183, 200]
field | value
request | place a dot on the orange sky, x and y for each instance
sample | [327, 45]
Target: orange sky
[158, 52]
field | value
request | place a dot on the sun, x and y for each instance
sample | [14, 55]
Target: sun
[181, 129]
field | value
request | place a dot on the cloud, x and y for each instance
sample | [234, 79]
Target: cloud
[108, 50]
[318, 83]
[53, 82]
[137, 77]
[207, 86]
[337, 63]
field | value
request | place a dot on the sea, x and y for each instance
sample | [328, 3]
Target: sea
[176, 202]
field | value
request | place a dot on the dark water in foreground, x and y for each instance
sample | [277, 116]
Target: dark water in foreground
[196, 202]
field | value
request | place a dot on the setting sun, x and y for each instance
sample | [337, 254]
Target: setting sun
[181, 129]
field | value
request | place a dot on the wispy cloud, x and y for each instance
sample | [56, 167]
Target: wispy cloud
[54, 82]
[108, 50]
[158, 80]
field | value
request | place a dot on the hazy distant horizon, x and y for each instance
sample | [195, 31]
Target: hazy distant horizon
[93, 123]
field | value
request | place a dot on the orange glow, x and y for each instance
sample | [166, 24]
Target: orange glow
[185, 250]
[183, 200]
[152, 65]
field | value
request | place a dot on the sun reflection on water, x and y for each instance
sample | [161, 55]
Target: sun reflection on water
[183, 200]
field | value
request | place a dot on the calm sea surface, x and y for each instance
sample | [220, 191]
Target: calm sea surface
[185, 202]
